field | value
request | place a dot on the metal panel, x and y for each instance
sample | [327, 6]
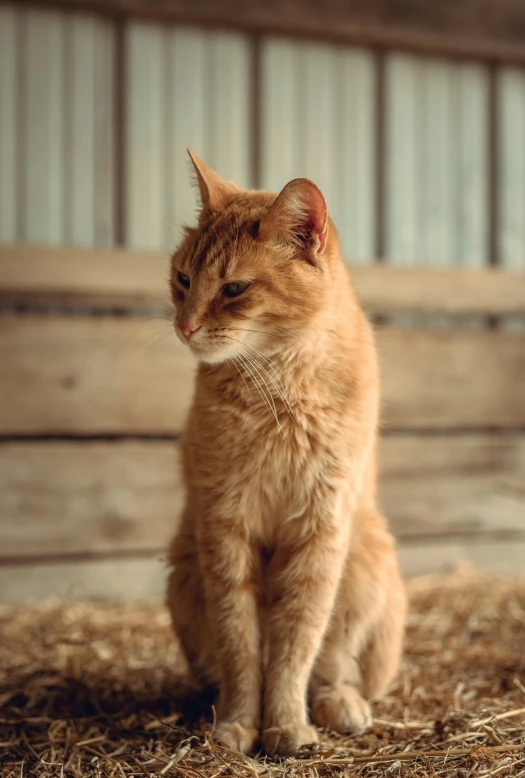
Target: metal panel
[229, 103]
[104, 135]
[280, 158]
[403, 159]
[185, 89]
[354, 210]
[471, 181]
[89, 132]
[188, 125]
[42, 129]
[512, 169]
[8, 125]
[318, 122]
[56, 128]
[145, 124]
[437, 162]
[80, 131]
[436, 171]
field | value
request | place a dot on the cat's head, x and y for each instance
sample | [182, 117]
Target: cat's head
[254, 272]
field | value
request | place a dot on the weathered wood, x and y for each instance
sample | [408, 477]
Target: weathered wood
[452, 378]
[92, 376]
[456, 486]
[117, 278]
[63, 498]
[145, 579]
[99, 278]
[103, 375]
[120, 579]
[68, 497]
[490, 29]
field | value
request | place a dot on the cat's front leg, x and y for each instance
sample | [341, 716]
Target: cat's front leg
[304, 579]
[226, 562]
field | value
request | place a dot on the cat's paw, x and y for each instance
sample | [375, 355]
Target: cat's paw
[286, 741]
[236, 736]
[341, 709]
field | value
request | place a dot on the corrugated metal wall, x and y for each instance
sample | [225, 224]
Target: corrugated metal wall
[56, 128]
[63, 162]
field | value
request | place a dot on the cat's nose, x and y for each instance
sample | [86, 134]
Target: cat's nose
[187, 331]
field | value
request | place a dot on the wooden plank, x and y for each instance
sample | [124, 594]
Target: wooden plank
[60, 498]
[145, 579]
[92, 376]
[67, 497]
[127, 279]
[504, 557]
[99, 278]
[120, 579]
[9, 180]
[455, 486]
[493, 32]
[457, 379]
[128, 376]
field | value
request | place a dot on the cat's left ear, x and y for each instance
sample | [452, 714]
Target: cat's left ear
[299, 216]
[215, 191]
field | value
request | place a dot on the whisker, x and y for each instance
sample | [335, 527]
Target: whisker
[244, 329]
[259, 388]
[260, 367]
[241, 374]
[280, 389]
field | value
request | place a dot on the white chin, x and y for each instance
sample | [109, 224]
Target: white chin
[215, 356]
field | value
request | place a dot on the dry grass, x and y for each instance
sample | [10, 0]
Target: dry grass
[91, 690]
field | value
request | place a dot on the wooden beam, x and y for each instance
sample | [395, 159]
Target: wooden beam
[477, 29]
[103, 279]
[139, 580]
[73, 499]
[124, 376]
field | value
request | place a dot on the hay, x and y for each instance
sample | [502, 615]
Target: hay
[92, 690]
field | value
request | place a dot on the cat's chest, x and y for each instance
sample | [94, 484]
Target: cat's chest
[260, 473]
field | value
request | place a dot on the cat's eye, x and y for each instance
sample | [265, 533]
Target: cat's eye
[183, 280]
[235, 288]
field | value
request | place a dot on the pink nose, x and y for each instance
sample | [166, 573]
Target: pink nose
[187, 331]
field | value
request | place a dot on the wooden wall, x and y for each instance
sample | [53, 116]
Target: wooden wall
[94, 388]
[422, 162]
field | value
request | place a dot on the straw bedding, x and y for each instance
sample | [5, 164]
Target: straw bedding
[95, 690]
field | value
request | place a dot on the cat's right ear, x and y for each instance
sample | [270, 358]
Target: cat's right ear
[215, 191]
[298, 216]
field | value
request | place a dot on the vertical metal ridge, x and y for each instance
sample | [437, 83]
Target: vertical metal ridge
[119, 150]
[256, 110]
[493, 166]
[380, 155]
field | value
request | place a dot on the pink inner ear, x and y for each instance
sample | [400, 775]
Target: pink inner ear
[315, 206]
[299, 212]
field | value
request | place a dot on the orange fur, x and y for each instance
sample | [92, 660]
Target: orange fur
[285, 585]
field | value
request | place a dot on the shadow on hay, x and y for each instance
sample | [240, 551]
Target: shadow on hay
[37, 701]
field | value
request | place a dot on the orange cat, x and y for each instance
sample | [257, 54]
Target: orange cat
[285, 585]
